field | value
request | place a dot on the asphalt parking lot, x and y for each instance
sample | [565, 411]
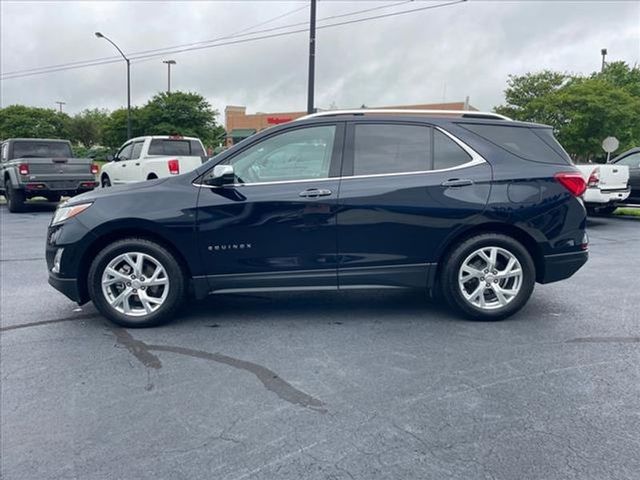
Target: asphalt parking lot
[365, 385]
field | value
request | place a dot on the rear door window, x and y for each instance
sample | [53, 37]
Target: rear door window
[178, 147]
[447, 153]
[391, 148]
[536, 144]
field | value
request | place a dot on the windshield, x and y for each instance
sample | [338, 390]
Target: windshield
[41, 150]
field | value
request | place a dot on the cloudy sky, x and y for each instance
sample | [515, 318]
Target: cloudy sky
[419, 57]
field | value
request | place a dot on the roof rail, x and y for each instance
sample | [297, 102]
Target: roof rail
[368, 111]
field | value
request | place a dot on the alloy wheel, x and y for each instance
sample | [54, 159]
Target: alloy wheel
[135, 284]
[490, 278]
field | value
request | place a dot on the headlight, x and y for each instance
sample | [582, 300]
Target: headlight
[65, 213]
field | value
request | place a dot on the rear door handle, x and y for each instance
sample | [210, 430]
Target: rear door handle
[137, 165]
[315, 192]
[457, 182]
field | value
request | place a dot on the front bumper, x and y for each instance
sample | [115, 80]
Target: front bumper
[604, 197]
[562, 265]
[67, 286]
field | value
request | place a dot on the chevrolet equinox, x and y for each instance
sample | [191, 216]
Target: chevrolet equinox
[469, 206]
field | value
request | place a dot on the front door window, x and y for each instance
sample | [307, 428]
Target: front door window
[302, 154]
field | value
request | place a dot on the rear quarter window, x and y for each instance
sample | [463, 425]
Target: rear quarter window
[535, 144]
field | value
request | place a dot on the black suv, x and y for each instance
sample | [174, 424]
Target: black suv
[467, 204]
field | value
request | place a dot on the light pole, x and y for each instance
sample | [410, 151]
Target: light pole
[312, 58]
[100, 35]
[60, 104]
[603, 52]
[169, 63]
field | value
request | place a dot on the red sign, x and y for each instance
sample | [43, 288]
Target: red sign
[278, 120]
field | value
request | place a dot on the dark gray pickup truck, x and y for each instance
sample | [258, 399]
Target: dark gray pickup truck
[33, 167]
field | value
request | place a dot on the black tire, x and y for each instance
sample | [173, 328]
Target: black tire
[15, 198]
[452, 290]
[53, 197]
[608, 210]
[152, 176]
[591, 211]
[174, 273]
[105, 181]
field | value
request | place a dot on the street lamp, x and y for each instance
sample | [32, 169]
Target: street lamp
[169, 63]
[100, 35]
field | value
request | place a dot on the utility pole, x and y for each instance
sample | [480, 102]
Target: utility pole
[603, 52]
[100, 35]
[169, 63]
[60, 104]
[312, 58]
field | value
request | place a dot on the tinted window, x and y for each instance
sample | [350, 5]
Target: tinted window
[447, 153]
[125, 152]
[537, 144]
[137, 148]
[380, 148]
[185, 148]
[632, 161]
[294, 155]
[41, 149]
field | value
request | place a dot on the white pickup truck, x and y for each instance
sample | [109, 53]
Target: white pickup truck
[607, 185]
[146, 158]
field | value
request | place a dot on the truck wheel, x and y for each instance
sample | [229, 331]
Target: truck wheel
[136, 283]
[15, 198]
[54, 197]
[488, 277]
[106, 182]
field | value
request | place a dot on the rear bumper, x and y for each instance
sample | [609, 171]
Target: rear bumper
[563, 265]
[37, 187]
[604, 197]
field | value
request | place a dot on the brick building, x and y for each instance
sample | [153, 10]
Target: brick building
[240, 125]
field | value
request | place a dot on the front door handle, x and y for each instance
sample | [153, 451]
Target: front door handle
[315, 192]
[457, 182]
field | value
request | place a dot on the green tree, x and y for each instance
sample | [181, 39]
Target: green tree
[527, 96]
[33, 122]
[181, 113]
[86, 128]
[114, 132]
[583, 111]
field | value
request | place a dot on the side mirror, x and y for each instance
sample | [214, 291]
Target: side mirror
[221, 175]
[110, 158]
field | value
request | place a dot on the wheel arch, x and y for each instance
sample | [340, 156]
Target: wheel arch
[101, 241]
[510, 230]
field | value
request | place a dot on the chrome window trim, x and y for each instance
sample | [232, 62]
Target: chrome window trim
[476, 159]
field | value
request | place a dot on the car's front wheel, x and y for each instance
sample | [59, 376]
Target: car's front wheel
[136, 283]
[488, 277]
[105, 181]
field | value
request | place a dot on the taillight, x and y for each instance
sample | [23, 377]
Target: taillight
[572, 181]
[174, 166]
[95, 169]
[23, 168]
[594, 178]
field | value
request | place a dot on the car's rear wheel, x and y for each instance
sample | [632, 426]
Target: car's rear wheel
[136, 283]
[15, 197]
[608, 210]
[488, 277]
[53, 197]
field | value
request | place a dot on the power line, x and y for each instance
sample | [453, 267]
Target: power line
[164, 50]
[97, 62]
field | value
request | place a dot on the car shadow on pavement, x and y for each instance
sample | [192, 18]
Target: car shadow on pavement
[34, 206]
[321, 307]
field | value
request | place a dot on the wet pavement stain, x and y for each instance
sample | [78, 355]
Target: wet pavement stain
[269, 378]
[605, 340]
[138, 349]
[47, 322]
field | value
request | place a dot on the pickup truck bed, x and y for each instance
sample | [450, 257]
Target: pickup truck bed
[607, 185]
[42, 168]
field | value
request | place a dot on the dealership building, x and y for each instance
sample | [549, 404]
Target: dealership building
[240, 125]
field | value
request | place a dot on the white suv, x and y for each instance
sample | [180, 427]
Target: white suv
[146, 158]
